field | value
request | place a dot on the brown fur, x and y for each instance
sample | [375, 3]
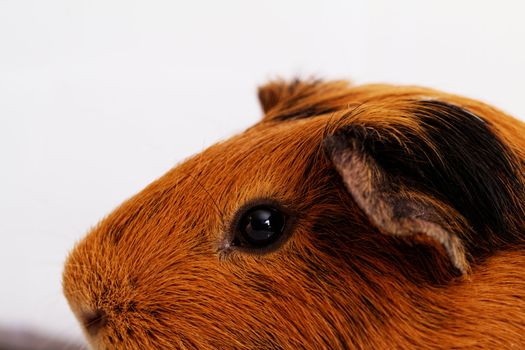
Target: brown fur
[159, 272]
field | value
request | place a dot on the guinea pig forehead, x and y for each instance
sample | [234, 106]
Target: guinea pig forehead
[268, 160]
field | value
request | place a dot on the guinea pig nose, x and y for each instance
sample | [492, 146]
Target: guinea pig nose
[94, 321]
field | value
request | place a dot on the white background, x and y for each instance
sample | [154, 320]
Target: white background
[98, 98]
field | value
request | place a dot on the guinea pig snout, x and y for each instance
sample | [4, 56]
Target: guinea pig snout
[100, 297]
[93, 320]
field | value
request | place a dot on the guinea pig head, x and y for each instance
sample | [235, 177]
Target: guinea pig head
[348, 217]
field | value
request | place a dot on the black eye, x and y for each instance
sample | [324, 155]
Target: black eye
[260, 226]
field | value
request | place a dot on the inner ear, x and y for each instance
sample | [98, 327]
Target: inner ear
[392, 203]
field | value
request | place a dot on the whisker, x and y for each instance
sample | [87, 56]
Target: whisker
[221, 212]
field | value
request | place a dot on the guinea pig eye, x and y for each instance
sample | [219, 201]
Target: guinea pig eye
[260, 226]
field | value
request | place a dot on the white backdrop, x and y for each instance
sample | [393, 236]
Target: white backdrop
[98, 98]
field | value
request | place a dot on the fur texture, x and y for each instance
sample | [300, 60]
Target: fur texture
[408, 212]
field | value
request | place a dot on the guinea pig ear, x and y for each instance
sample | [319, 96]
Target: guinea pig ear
[392, 204]
[282, 100]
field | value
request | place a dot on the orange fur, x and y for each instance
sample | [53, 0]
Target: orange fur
[157, 270]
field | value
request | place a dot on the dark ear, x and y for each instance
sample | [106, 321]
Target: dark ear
[282, 100]
[276, 92]
[393, 204]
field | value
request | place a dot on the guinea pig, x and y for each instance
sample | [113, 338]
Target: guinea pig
[348, 217]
